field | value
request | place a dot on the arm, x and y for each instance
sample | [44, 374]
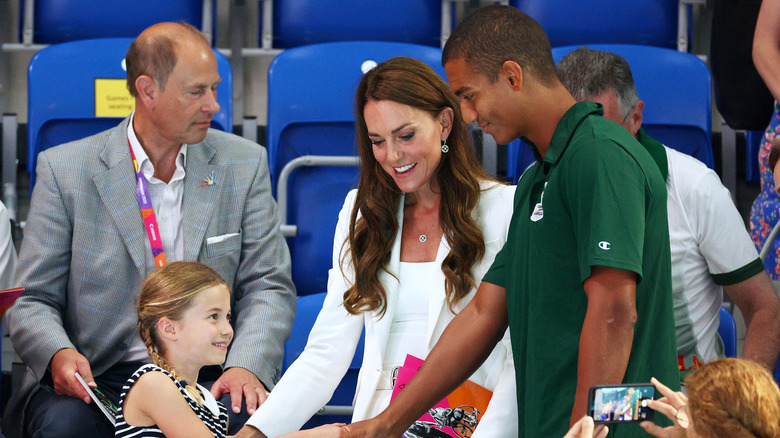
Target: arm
[264, 297]
[758, 301]
[155, 400]
[766, 46]
[311, 380]
[607, 333]
[36, 319]
[463, 346]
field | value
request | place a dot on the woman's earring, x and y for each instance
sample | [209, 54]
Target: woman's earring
[444, 147]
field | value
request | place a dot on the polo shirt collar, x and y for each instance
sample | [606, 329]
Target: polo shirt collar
[566, 127]
[656, 150]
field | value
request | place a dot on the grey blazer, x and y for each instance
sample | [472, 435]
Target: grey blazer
[85, 254]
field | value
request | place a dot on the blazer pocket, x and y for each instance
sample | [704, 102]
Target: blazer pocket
[222, 238]
[226, 243]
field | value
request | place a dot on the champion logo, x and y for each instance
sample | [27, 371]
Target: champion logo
[605, 245]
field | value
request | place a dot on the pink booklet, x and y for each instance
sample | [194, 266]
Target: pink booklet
[8, 296]
[455, 416]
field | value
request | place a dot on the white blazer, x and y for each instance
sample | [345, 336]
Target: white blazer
[311, 380]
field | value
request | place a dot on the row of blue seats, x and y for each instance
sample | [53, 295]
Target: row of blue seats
[317, 120]
[303, 22]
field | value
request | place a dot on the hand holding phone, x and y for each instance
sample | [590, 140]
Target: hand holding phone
[621, 403]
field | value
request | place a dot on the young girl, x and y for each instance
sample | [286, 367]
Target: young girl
[184, 320]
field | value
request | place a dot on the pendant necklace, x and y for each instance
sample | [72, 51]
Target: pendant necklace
[424, 237]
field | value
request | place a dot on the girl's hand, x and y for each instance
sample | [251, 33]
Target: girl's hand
[671, 404]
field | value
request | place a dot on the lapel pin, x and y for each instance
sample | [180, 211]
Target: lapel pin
[209, 180]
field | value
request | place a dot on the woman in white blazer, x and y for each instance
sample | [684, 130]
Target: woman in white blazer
[422, 228]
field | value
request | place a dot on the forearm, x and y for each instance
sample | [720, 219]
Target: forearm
[767, 61]
[463, 346]
[37, 333]
[604, 349]
[760, 345]
[766, 46]
[762, 340]
[607, 332]
[760, 306]
[36, 321]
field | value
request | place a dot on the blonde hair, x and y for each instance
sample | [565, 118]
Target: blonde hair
[734, 398]
[168, 292]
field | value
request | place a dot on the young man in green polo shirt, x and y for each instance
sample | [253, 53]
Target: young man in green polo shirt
[584, 279]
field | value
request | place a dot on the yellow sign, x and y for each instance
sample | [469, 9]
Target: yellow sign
[112, 98]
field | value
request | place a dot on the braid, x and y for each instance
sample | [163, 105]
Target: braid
[162, 363]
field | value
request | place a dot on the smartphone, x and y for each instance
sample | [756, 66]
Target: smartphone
[621, 403]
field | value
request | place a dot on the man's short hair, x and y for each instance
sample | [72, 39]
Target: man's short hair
[155, 56]
[492, 35]
[588, 73]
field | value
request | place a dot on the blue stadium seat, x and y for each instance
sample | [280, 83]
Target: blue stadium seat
[728, 332]
[57, 21]
[519, 157]
[677, 90]
[308, 308]
[61, 90]
[568, 22]
[310, 113]
[302, 22]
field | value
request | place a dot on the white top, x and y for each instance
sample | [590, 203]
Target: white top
[310, 381]
[7, 251]
[708, 237]
[410, 322]
[166, 202]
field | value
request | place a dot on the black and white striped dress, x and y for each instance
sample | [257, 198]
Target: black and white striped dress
[212, 412]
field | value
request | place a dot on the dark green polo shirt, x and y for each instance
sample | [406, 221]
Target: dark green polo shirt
[597, 199]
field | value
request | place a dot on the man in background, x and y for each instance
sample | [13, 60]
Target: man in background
[710, 247]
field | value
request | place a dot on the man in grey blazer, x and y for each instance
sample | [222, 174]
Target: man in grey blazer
[86, 250]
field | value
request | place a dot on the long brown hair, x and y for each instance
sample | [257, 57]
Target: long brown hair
[734, 398]
[169, 292]
[371, 234]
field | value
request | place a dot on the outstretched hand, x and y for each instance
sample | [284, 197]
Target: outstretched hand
[669, 405]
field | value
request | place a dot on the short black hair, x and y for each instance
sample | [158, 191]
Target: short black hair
[492, 35]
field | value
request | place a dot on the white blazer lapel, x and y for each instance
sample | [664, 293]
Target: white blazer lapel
[436, 299]
[390, 283]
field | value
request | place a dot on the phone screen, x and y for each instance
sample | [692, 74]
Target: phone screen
[620, 403]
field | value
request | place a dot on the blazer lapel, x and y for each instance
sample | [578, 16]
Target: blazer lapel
[201, 186]
[117, 190]
[437, 298]
[382, 326]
